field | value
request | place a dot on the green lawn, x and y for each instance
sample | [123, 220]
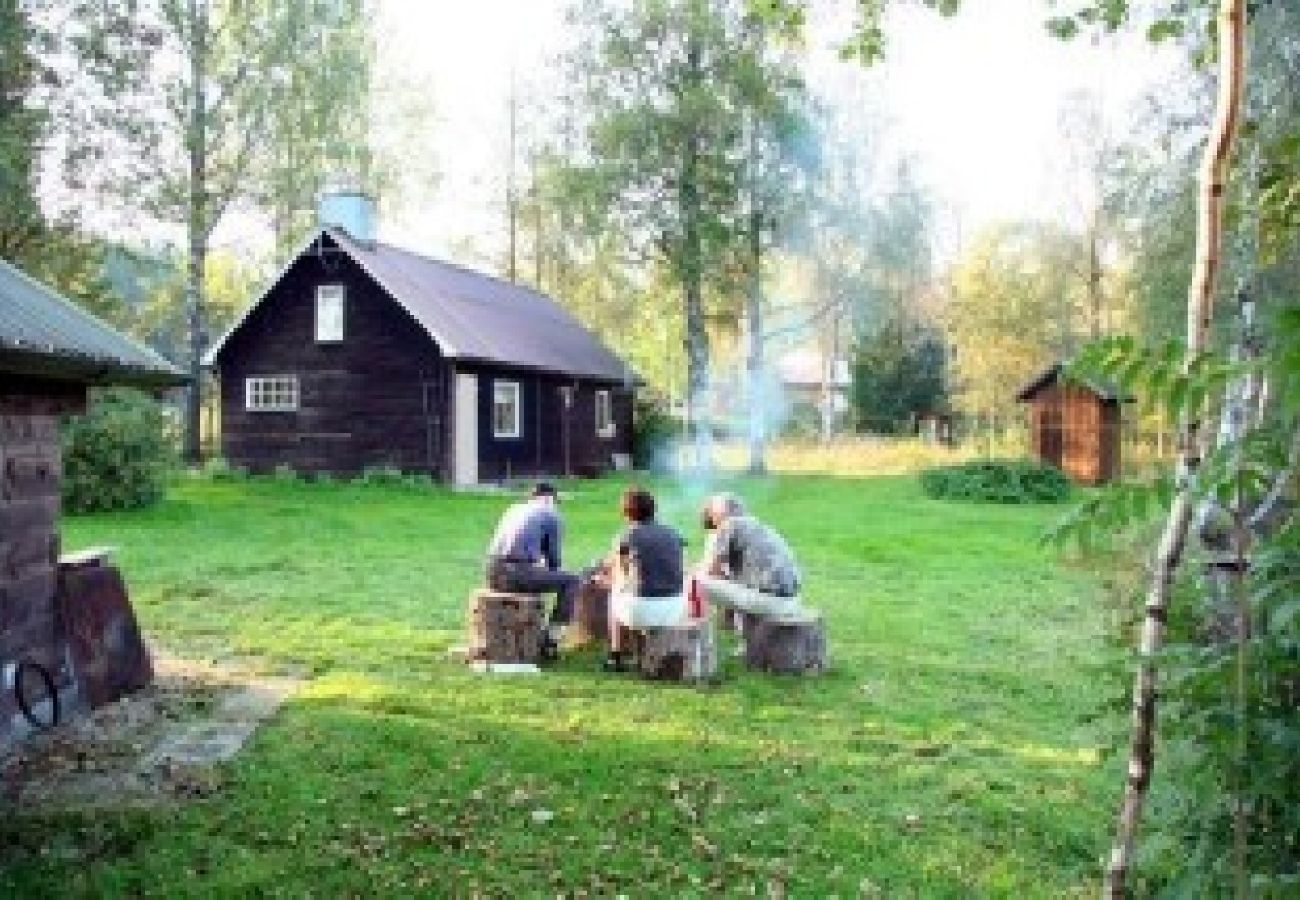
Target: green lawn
[945, 755]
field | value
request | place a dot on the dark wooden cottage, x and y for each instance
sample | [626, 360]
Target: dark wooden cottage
[1074, 426]
[361, 354]
[51, 351]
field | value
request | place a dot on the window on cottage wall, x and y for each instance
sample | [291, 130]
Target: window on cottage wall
[604, 415]
[506, 412]
[274, 393]
[329, 313]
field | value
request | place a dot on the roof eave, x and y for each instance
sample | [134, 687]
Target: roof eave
[35, 362]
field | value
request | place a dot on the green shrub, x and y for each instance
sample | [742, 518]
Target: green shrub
[118, 454]
[389, 476]
[997, 481]
[219, 469]
[653, 432]
[285, 473]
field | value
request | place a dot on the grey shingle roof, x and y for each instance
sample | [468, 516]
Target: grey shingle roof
[476, 317]
[45, 334]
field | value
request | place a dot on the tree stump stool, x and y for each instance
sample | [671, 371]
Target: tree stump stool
[590, 615]
[793, 645]
[685, 652]
[505, 628]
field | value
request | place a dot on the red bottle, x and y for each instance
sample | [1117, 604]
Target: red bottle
[696, 606]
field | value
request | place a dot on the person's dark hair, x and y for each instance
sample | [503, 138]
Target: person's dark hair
[544, 489]
[638, 504]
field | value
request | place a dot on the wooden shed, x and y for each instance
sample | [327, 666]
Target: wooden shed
[360, 354]
[51, 352]
[1075, 426]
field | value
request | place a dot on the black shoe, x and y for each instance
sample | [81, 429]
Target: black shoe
[615, 662]
[548, 650]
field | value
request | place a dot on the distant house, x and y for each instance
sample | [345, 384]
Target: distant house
[1075, 427]
[51, 352]
[807, 376]
[360, 354]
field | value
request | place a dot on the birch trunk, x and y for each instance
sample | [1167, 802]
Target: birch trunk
[1200, 303]
[196, 224]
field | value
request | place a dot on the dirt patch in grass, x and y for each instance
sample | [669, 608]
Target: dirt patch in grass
[160, 744]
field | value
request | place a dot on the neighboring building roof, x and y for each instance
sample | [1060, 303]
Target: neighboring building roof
[805, 368]
[1105, 391]
[473, 316]
[43, 334]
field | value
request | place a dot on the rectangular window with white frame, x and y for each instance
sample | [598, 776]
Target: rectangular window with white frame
[507, 412]
[272, 393]
[329, 313]
[605, 426]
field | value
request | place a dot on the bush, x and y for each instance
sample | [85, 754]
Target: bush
[117, 455]
[997, 481]
[389, 476]
[653, 432]
[219, 469]
[285, 473]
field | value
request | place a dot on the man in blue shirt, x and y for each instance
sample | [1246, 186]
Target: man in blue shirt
[524, 558]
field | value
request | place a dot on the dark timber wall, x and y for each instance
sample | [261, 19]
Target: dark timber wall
[30, 467]
[378, 397]
[555, 439]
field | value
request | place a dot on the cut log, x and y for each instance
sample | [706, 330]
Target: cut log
[685, 652]
[505, 628]
[793, 645]
[590, 615]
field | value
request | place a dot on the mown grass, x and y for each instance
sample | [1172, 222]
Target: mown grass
[945, 755]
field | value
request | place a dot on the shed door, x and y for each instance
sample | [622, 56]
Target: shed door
[1052, 437]
[466, 443]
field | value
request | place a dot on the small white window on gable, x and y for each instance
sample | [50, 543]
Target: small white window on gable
[506, 412]
[329, 313]
[276, 393]
[605, 426]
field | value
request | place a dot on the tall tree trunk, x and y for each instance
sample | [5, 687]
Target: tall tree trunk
[691, 270]
[512, 199]
[1094, 278]
[1209, 239]
[196, 225]
[754, 321]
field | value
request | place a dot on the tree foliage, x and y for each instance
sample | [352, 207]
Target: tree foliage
[899, 373]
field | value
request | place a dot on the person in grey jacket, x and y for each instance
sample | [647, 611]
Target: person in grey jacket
[524, 557]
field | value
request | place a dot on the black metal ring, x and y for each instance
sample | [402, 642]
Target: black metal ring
[24, 707]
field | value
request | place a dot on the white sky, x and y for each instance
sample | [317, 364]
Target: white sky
[975, 99]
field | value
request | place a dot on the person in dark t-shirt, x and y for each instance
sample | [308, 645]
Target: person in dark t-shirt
[648, 574]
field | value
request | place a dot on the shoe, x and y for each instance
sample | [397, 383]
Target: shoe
[615, 662]
[548, 650]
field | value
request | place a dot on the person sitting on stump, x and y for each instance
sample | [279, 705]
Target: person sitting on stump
[747, 566]
[647, 574]
[524, 558]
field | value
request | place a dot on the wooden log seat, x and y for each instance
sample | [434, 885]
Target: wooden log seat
[793, 644]
[505, 628]
[590, 624]
[684, 652]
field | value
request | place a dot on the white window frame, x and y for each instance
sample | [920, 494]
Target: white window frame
[605, 426]
[271, 393]
[330, 293]
[511, 389]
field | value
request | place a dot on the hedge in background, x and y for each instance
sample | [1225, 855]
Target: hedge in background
[117, 455]
[997, 481]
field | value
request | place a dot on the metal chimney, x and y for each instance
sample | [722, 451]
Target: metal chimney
[348, 209]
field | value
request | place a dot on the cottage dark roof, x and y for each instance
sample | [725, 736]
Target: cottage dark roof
[43, 334]
[1104, 390]
[476, 317]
